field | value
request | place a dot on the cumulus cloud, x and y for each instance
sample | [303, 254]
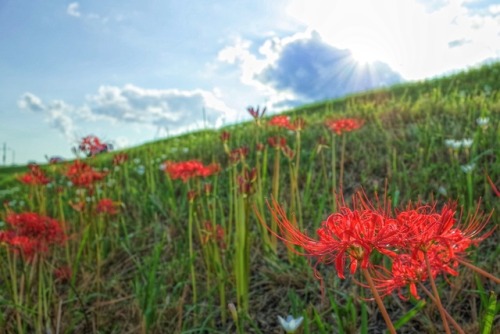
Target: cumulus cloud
[172, 110]
[31, 102]
[58, 113]
[74, 9]
[303, 68]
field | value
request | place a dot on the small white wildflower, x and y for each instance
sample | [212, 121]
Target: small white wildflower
[69, 184]
[185, 149]
[162, 166]
[468, 168]
[22, 203]
[482, 121]
[453, 144]
[117, 168]
[291, 324]
[140, 169]
[137, 161]
[467, 142]
[442, 190]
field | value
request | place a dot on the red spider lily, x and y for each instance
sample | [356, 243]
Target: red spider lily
[405, 271]
[256, 113]
[433, 235]
[259, 147]
[238, 154]
[191, 195]
[281, 121]
[299, 124]
[288, 152]
[224, 136]
[208, 188]
[92, 145]
[77, 206]
[32, 233]
[246, 181]
[344, 125]
[107, 206]
[427, 229]
[214, 234]
[350, 233]
[34, 177]
[186, 170]
[277, 142]
[82, 175]
[120, 159]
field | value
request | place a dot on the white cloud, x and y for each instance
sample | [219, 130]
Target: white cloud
[302, 68]
[74, 9]
[404, 33]
[58, 113]
[170, 110]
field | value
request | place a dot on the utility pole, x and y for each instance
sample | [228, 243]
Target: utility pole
[204, 118]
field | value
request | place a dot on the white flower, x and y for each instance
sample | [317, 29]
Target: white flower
[442, 191]
[482, 121]
[291, 324]
[137, 161]
[468, 168]
[140, 170]
[452, 143]
[467, 142]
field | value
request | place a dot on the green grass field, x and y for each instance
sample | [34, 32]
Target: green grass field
[168, 256]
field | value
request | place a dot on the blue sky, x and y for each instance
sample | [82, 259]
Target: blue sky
[134, 71]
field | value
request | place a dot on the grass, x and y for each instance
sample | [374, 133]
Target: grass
[136, 271]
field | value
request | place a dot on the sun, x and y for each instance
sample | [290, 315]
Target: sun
[364, 54]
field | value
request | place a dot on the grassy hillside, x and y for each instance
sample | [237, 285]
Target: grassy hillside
[168, 256]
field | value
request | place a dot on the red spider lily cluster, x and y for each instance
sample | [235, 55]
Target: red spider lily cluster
[34, 177]
[283, 121]
[31, 233]
[83, 175]
[344, 125]
[409, 239]
[92, 145]
[107, 206]
[186, 170]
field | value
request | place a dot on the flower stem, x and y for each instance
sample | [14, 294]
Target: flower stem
[385, 315]
[342, 159]
[442, 311]
[479, 271]
[448, 316]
